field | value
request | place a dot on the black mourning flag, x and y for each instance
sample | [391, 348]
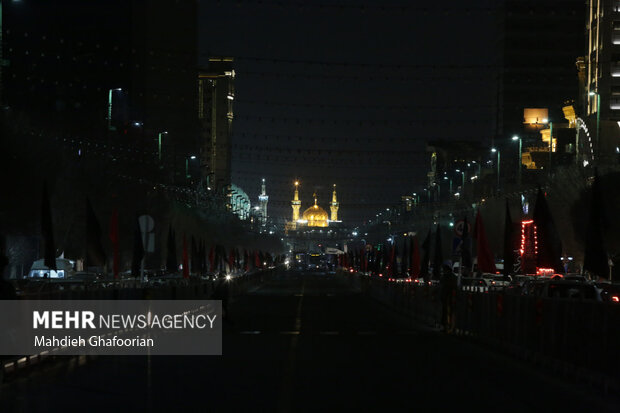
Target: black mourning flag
[438, 260]
[549, 244]
[194, 257]
[509, 258]
[138, 250]
[95, 255]
[171, 258]
[47, 230]
[426, 246]
[595, 256]
[466, 249]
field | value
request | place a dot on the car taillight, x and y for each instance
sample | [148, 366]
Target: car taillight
[615, 299]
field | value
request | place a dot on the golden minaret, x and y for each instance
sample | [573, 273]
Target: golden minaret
[296, 203]
[333, 206]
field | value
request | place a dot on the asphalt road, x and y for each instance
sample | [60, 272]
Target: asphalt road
[309, 343]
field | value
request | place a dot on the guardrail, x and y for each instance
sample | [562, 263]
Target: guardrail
[581, 337]
[181, 289]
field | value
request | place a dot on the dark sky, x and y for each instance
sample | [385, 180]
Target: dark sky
[348, 93]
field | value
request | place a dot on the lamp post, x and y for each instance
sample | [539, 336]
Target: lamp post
[159, 143]
[110, 95]
[192, 157]
[458, 171]
[498, 159]
[519, 167]
[450, 180]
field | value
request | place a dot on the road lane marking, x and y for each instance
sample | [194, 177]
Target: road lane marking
[286, 387]
[290, 332]
[249, 332]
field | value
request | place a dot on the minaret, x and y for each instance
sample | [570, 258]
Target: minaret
[296, 203]
[333, 206]
[263, 199]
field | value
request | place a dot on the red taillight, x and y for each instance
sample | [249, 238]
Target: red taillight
[615, 299]
[380, 275]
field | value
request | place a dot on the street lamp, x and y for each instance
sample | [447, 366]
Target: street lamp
[192, 157]
[110, 93]
[498, 159]
[159, 140]
[518, 138]
[445, 178]
[458, 171]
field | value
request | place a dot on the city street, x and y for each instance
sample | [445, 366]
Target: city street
[308, 343]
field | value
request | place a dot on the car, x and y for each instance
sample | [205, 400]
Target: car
[496, 281]
[609, 292]
[64, 269]
[475, 284]
[563, 289]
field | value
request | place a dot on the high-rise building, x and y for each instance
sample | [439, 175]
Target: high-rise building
[602, 77]
[263, 199]
[216, 93]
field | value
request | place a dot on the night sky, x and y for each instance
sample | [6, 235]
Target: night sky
[347, 93]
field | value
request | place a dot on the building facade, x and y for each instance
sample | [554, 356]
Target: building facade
[602, 75]
[216, 93]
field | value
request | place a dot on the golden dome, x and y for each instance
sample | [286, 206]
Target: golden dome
[315, 215]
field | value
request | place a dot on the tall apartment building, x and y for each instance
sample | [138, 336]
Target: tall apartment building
[602, 78]
[216, 93]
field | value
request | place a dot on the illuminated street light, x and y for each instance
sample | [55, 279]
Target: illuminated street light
[159, 143]
[518, 138]
[187, 175]
[110, 92]
[498, 160]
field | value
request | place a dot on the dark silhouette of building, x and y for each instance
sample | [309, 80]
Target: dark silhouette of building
[216, 93]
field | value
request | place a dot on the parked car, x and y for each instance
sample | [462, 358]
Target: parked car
[609, 292]
[575, 290]
[475, 284]
[64, 269]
